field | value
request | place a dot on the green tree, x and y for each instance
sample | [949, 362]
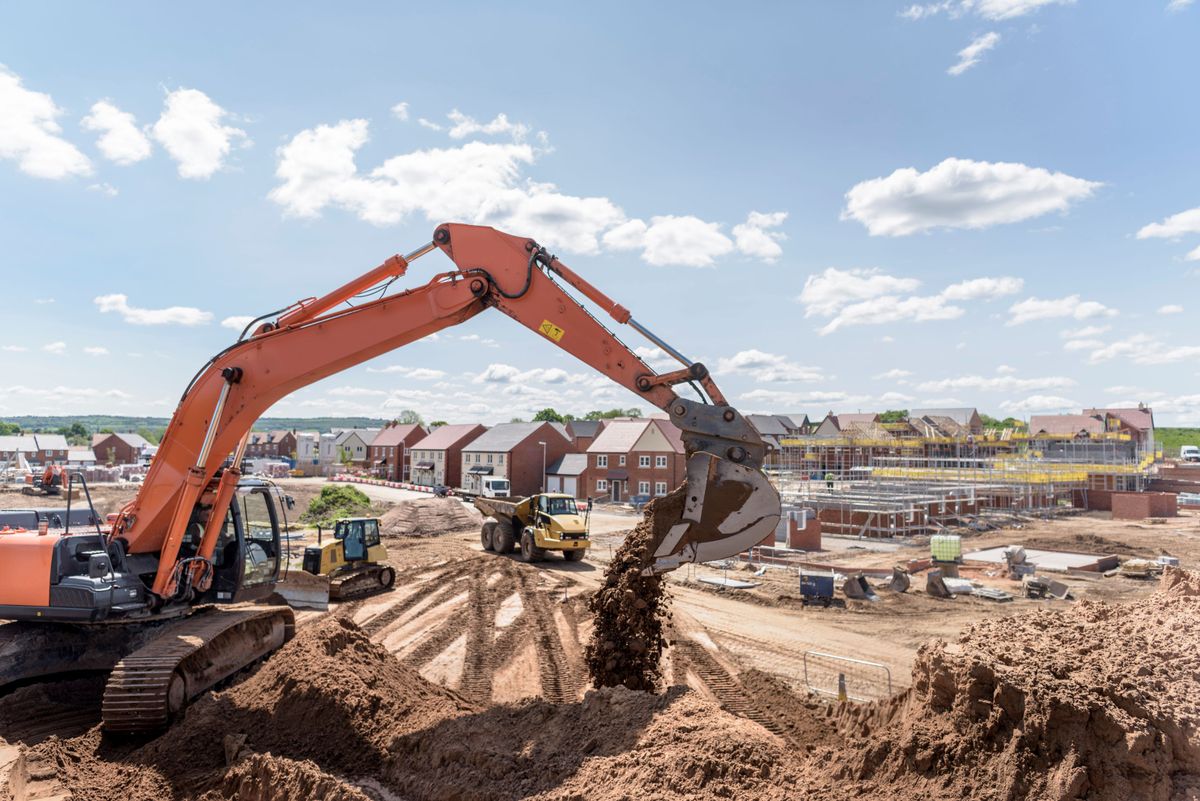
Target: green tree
[517, 420]
[438, 424]
[611, 413]
[548, 415]
[408, 417]
[76, 433]
[894, 416]
[8, 429]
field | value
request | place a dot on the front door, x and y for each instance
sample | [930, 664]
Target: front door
[616, 490]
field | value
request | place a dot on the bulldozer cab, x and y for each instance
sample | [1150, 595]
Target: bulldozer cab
[358, 535]
[246, 560]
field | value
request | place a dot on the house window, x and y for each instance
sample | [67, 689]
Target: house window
[489, 458]
[660, 462]
[439, 455]
[501, 459]
[601, 485]
[643, 461]
[621, 460]
[660, 488]
[643, 488]
[602, 461]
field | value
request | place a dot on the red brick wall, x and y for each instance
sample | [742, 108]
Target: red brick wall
[525, 460]
[673, 474]
[1099, 500]
[453, 456]
[1140, 505]
[123, 452]
[807, 538]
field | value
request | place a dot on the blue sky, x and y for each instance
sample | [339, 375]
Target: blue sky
[840, 206]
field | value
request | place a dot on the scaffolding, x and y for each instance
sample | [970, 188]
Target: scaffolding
[902, 488]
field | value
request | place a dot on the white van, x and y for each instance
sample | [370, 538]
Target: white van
[494, 487]
[1189, 453]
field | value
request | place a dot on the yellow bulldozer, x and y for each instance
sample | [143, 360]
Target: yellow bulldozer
[352, 563]
[535, 525]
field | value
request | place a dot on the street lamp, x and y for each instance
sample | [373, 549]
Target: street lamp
[543, 464]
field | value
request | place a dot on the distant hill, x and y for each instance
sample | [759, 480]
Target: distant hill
[100, 422]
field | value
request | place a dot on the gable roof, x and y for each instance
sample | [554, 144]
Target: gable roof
[857, 418]
[585, 428]
[51, 442]
[619, 436]
[569, 464]
[672, 432]
[768, 425]
[1139, 419]
[395, 435]
[960, 414]
[1069, 424]
[18, 442]
[506, 436]
[444, 437]
[364, 434]
[130, 439]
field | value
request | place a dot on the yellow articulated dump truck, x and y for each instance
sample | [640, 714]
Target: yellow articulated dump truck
[534, 525]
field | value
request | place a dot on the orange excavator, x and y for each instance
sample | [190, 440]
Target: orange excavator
[158, 597]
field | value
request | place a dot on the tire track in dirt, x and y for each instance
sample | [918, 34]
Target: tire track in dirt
[479, 664]
[560, 680]
[377, 624]
[730, 692]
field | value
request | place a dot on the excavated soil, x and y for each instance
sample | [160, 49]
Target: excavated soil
[428, 517]
[629, 611]
[1087, 543]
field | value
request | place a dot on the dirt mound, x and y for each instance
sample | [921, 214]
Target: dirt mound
[630, 609]
[1179, 583]
[1087, 543]
[261, 777]
[1099, 702]
[614, 745]
[429, 517]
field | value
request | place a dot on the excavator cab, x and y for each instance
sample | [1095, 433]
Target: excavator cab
[247, 558]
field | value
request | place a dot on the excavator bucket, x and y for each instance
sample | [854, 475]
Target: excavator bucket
[858, 588]
[729, 508]
[302, 590]
[899, 581]
[935, 586]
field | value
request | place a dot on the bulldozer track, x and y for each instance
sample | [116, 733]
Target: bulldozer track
[376, 625]
[154, 682]
[479, 663]
[730, 692]
[560, 682]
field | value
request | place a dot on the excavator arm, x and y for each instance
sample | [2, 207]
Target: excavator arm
[730, 505]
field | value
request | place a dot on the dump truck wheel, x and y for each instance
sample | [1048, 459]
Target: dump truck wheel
[574, 556]
[487, 535]
[529, 551]
[503, 538]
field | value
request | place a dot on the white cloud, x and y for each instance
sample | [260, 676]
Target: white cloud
[961, 193]
[237, 322]
[1170, 308]
[483, 183]
[1005, 369]
[894, 397]
[104, 188]
[173, 315]
[14, 348]
[120, 141]
[988, 9]
[1003, 383]
[1035, 404]
[1085, 332]
[1145, 349]
[424, 123]
[767, 367]
[869, 297]
[1071, 306]
[415, 373]
[29, 134]
[772, 400]
[400, 111]
[95, 350]
[657, 359]
[753, 238]
[893, 375]
[465, 126]
[1083, 344]
[355, 392]
[825, 293]
[497, 374]
[56, 348]
[1179, 5]
[983, 288]
[1193, 255]
[969, 56]
[1177, 225]
[192, 131]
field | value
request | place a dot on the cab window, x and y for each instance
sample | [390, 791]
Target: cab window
[560, 506]
[370, 533]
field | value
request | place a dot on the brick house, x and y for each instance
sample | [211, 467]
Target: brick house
[51, 448]
[389, 453]
[966, 419]
[119, 448]
[271, 445]
[437, 458]
[635, 457]
[514, 451]
[1137, 423]
[582, 433]
[348, 446]
[567, 474]
[13, 444]
[834, 424]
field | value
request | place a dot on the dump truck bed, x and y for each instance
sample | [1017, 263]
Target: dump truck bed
[499, 508]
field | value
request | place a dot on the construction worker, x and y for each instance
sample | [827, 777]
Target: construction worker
[829, 480]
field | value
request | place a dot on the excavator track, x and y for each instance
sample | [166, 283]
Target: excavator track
[362, 582]
[152, 684]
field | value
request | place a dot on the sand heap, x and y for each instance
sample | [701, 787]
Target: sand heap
[629, 610]
[429, 517]
[1098, 701]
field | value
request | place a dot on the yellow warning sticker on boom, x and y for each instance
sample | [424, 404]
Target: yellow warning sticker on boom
[551, 330]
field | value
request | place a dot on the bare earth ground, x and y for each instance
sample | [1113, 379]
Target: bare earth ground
[495, 630]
